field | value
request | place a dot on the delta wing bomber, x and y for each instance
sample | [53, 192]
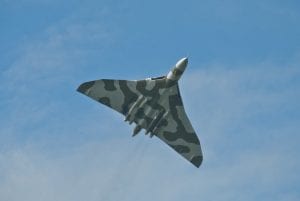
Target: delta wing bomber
[153, 104]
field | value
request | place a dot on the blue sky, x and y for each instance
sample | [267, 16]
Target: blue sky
[240, 90]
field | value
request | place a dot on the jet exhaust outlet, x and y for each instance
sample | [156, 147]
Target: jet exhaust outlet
[136, 130]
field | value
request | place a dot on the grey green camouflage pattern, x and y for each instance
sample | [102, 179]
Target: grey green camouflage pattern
[153, 104]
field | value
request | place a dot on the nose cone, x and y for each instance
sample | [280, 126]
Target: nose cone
[182, 63]
[178, 70]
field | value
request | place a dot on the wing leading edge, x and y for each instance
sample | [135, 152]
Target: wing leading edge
[116, 94]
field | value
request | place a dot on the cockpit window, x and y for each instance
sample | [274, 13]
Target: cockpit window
[158, 78]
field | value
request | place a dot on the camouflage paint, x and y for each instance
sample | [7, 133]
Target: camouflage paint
[162, 114]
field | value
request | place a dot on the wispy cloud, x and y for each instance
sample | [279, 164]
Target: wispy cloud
[39, 83]
[246, 156]
[56, 145]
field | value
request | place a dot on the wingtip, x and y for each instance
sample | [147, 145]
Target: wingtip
[197, 161]
[85, 86]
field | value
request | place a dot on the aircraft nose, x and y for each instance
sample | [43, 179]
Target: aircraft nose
[178, 70]
[185, 61]
[182, 63]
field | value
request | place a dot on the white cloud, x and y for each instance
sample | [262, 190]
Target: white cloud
[45, 69]
[140, 168]
[240, 114]
[243, 159]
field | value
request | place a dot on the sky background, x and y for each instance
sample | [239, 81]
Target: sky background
[241, 92]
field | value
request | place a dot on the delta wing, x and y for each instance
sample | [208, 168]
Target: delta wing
[176, 130]
[119, 94]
